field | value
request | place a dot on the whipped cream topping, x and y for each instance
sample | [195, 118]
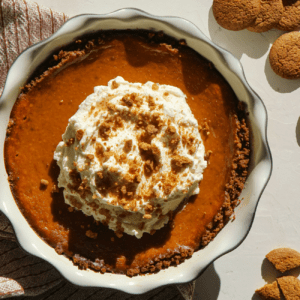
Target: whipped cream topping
[130, 155]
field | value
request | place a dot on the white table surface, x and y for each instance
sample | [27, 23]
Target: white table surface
[236, 275]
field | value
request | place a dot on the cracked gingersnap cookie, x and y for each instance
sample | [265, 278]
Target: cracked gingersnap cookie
[290, 19]
[290, 287]
[269, 15]
[235, 14]
[285, 56]
[269, 292]
[284, 259]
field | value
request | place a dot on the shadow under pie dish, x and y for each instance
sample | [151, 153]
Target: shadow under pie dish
[36, 126]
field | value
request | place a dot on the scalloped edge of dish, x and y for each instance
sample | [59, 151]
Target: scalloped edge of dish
[230, 237]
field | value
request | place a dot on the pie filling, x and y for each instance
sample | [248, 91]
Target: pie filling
[107, 178]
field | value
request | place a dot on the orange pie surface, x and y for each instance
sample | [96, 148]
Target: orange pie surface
[41, 114]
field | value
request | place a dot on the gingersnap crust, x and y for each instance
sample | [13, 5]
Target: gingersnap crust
[269, 292]
[235, 14]
[285, 55]
[284, 259]
[290, 19]
[269, 15]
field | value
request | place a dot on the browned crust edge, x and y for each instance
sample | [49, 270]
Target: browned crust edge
[236, 182]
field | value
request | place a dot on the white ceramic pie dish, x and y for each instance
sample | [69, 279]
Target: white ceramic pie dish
[261, 163]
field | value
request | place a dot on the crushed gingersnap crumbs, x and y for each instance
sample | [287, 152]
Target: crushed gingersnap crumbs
[192, 150]
[99, 152]
[70, 209]
[144, 147]
[131, 100]
[204, 127]
[79, 134]
[74, 202]
[90, 45]
[118, 234]
[208, 155]
[91, 234]
[170, 181]
[59, 249]
[151, 103]
[90, 156]
[174, 142]
[178, 162]
[55, 189]
[127, 146]
[127, 101]
[151, 129]
[111, 107]
[105, 129]
[114, 85]
[9, 128]
[64, 57]
[171, 258]
[171, 130]
[70, 142]
[155, 87]
[106, 213]
[236, 182]
[169, 48]
[147, 216]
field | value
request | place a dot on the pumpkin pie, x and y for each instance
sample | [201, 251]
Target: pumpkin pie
[40, 117]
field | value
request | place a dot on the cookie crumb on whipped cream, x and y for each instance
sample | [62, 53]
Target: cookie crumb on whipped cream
[130, 155]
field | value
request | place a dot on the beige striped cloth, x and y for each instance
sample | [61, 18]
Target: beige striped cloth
[23, 23]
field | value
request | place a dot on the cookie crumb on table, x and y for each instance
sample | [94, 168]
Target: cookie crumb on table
[284, 259]
[269, 292]
[290, 287]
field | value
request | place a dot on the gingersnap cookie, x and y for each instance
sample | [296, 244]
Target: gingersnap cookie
[290, 287]
[235, 14]
[290, 19]
[284, 259]
[269, 15]
[285, 56]
[269, 292]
